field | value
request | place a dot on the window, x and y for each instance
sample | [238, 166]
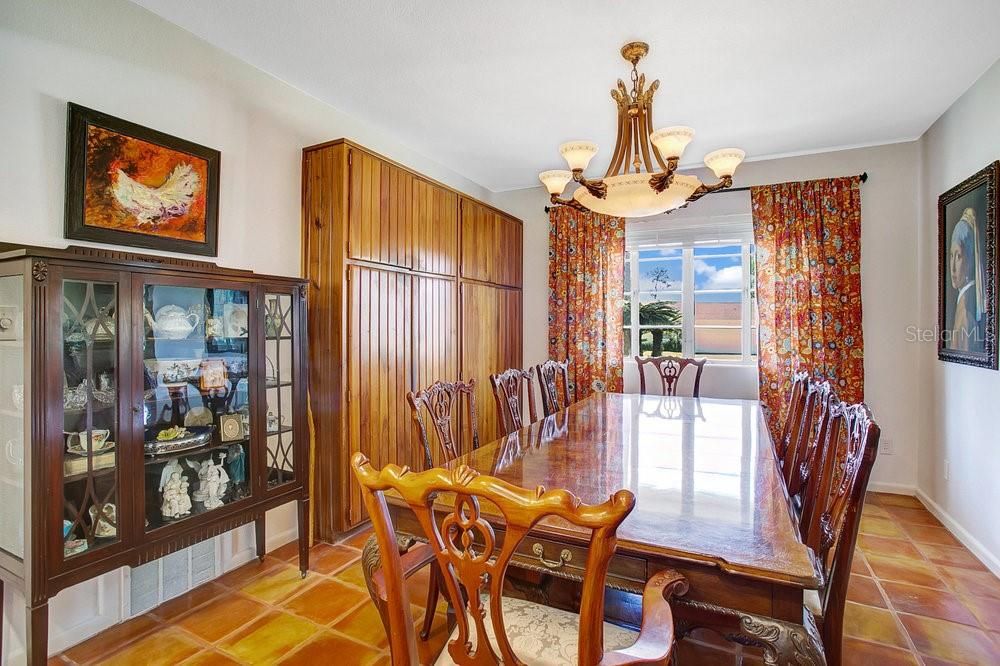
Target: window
[686, 295]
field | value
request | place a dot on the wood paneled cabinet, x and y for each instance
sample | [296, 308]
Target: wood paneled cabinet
[146, 403]
[410, 282]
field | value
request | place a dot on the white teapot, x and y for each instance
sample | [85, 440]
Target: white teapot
[172, 322]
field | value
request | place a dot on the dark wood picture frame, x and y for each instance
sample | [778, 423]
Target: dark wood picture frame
[79, 118]
[988, 180]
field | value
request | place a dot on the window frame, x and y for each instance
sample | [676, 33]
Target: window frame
[687, 242]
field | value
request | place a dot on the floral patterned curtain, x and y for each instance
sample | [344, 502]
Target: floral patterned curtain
[586, 262]
[808, 254]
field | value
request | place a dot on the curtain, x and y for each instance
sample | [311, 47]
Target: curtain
[586, 262]
[808, 262]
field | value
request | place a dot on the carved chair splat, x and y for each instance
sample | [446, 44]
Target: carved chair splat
[548, 375]
[669, 369]
[473, 563]
[800, 458]
[440, 401]
[509, 389]
[793, 417]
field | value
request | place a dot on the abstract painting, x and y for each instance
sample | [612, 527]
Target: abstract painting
[132, 185]
[967, 270]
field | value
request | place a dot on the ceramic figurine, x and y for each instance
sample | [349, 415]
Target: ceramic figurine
[173, 465]
[237, 464]
[212, 481]
[176, 502]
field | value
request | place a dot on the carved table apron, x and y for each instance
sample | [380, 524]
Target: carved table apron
[710, 504]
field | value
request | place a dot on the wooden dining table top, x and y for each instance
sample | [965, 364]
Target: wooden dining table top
[707, 484]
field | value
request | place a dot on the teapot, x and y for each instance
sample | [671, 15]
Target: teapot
[172, 322]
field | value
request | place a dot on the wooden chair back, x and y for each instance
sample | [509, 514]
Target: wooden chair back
[793, 415]
[467, 551]
[801, 453]
[509, 390]
[669, 369]
[850, 448]
[442, 401]
[548, 375]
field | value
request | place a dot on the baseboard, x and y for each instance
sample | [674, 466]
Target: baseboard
[893, 488]
[991, 561]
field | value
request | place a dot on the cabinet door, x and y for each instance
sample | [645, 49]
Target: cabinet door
[435, 349]
[199, 423]
[435, 228]
[491, 342]
[491, 245]
[379, 374]
[285, 427]
[14, 373]
[381, 211]
[88, 418]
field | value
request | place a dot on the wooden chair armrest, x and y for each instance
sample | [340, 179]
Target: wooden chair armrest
[656, 636]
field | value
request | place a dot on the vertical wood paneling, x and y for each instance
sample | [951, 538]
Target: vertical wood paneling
[491, 245]
[379, 362]
[381, 217]
[435, 228]
[435, 348]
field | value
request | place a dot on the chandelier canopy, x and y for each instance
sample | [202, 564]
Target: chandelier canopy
[642, 177]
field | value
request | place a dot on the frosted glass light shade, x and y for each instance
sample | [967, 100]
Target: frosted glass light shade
[629, 195]
[578, 153]
[555, 181]
[671, 141]
[724, 162]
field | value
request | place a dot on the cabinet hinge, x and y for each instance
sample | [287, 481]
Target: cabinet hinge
[348, 396]
[350, 156]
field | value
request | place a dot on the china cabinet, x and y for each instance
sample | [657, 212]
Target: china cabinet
[146, 403]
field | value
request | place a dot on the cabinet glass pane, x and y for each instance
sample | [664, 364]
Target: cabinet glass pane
[279, 380]
[196, 411]
[12, 414]
[90, 415]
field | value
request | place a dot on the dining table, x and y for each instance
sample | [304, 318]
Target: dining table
[710, 504]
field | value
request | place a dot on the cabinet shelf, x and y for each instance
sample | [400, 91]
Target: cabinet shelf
[161, 458]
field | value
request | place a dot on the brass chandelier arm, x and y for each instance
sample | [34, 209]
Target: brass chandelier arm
[661, 180]
[572, 203]
[596, 187]
[726, 181]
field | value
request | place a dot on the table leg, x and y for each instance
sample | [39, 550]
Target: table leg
[783, 643]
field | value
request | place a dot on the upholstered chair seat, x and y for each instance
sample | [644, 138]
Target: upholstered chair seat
[543, 636]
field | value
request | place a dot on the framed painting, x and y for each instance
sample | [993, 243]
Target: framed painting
[131, 185]
[967, 270]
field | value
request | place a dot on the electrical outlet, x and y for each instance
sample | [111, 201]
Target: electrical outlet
[886, 448]
[947, 470]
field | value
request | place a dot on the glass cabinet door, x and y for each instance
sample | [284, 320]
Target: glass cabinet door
[279, 382]
[90, 453]
[197, 400]
[12, 418]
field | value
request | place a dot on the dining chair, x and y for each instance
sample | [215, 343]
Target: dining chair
[492, 628]
[441, 401]
[802, 447]
[669, 369]
[548, 374]
[793, 414]
[509, 389]
[850, 448]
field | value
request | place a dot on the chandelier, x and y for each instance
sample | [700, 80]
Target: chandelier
[633, 185]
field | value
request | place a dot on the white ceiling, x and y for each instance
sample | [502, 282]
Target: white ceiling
[490, 89]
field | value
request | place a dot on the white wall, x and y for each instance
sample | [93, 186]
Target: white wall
[888, 273]
[118, 58]
[958, 402]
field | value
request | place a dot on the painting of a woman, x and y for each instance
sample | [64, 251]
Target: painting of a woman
[967, 256]
[965, 268]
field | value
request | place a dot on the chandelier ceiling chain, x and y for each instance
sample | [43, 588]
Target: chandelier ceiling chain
[639, 181]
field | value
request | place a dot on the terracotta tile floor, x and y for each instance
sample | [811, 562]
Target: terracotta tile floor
[916, 597]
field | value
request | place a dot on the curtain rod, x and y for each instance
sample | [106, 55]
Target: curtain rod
[863, 178]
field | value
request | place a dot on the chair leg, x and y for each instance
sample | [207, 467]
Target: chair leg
[433, 588]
